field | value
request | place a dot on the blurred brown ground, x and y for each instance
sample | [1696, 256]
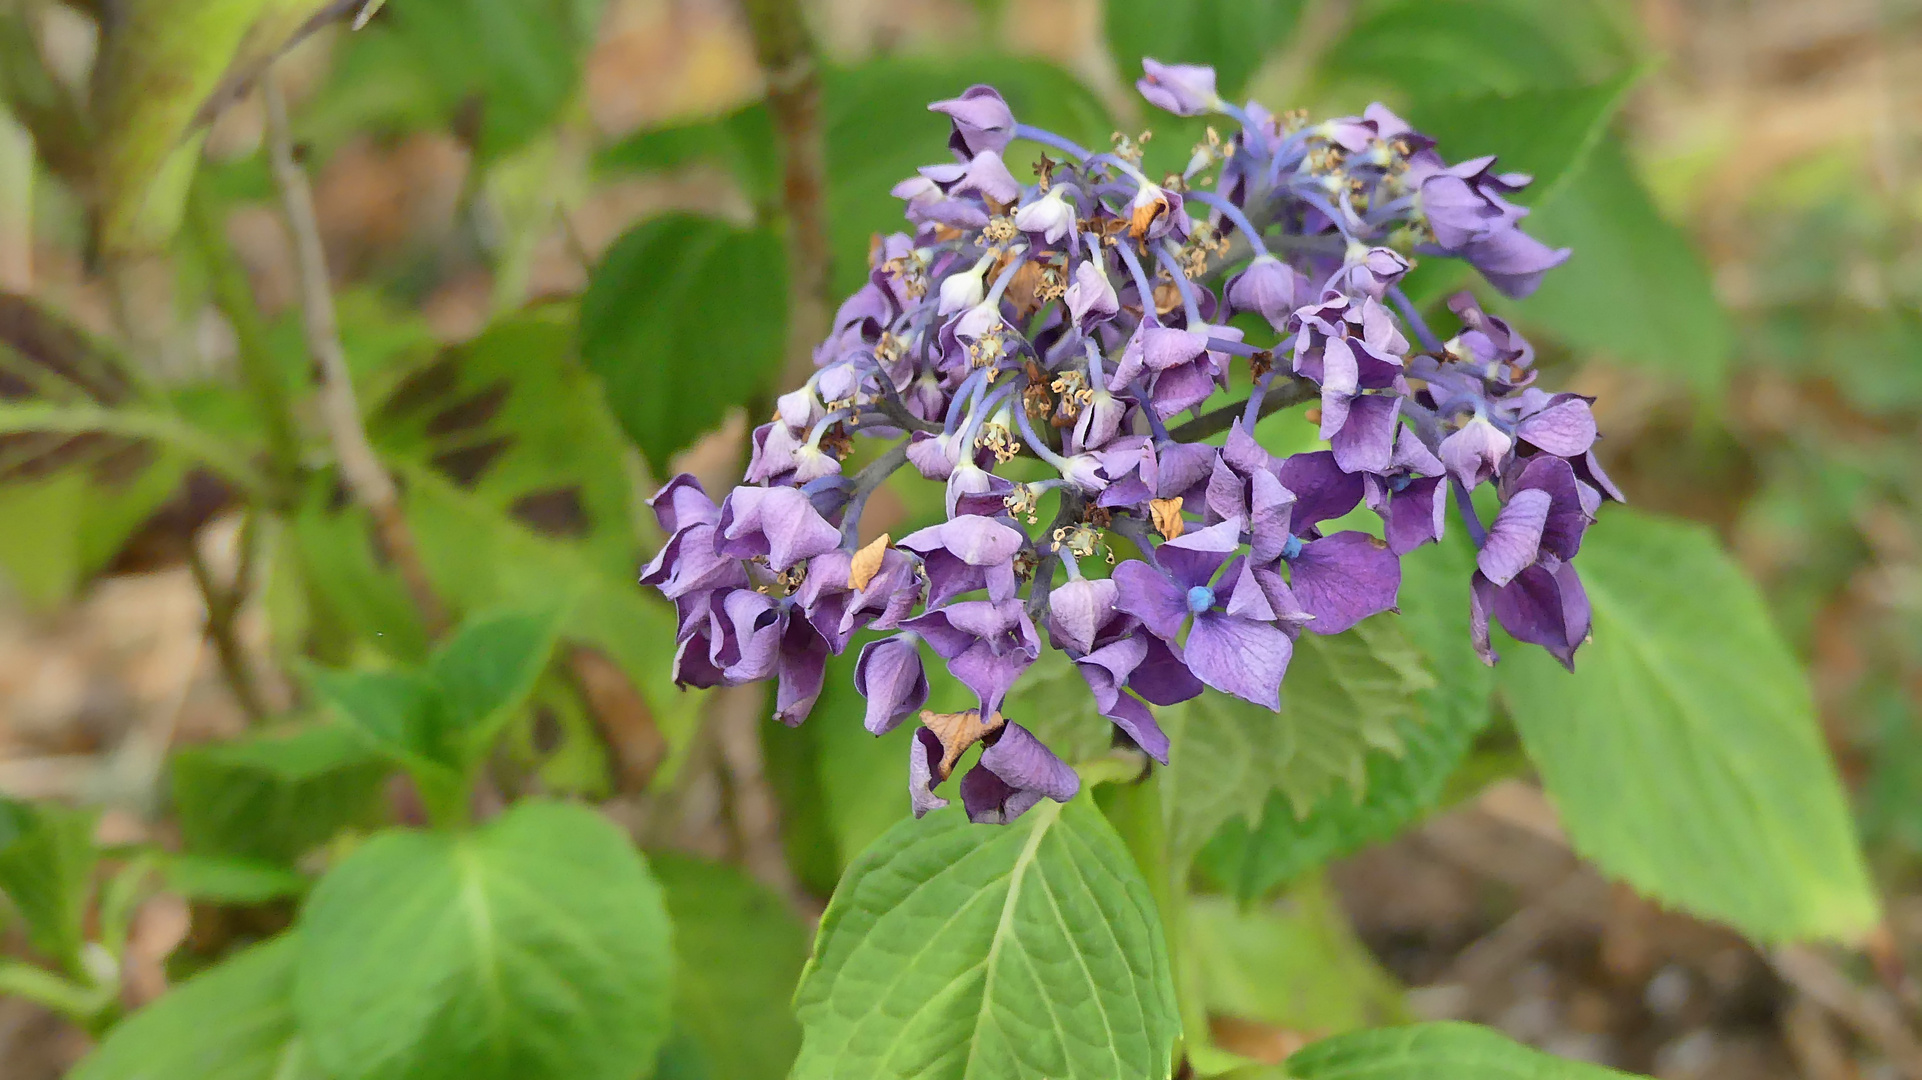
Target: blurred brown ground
[1483, 910]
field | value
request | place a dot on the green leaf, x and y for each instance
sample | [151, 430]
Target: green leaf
[514, 417]
[684, 319]
[273, 796]
[481, 559]
[1547, 133]
[1342, 697]
[1432, 49]
[1437, 1051]
[1232, 35]
[227, 879]
[399, 712]
[1021, 951]
[71, 495]
[1684, 752]
[533, 948]
[879, 130]
[1295, 964]
[1627, 258]
[1251, 861]
[738, 952]
[510, 66]
[46, 868]
[742, 141]
[162, 65]
[233, 1021]
[487, 670]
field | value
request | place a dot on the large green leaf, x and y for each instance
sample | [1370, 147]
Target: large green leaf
[1251, 861]
[1342, 697]
[1545, 132]
[1684, 752]
[71, 494]
[46, 869]
[481, 559]
[1628, 258]
[1438, 1051]
[684, 319]
[234, 1021]
[515, 418]
[1295, 964]
[272, 796]
[510, 66]
[1023, 951]
[487, 670]
[1431, 49]
[738, 954]
[533, 948]
[879, 130]
[162, 62]
[1232, 35]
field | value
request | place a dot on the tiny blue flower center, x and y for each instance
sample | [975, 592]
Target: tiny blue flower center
[1200, 599]
[1292, 548]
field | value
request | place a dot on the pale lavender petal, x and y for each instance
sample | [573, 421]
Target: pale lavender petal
[1515, 539]
[1566, 428]
[1077, 610]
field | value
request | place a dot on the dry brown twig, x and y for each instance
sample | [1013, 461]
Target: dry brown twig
[366, 478]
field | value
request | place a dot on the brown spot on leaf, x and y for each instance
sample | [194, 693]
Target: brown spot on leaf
[470, 413]
[421, 389]
[44, 341]
[556, 512]
[466, 465]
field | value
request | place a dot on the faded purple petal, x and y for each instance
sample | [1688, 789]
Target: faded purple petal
[1322, 490]
[1148, 595]
[1566, 428]
[1515, 539]
[1015, 772]
[924, 762]
[1182, 89]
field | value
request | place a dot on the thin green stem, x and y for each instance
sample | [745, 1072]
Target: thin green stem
[259, 373]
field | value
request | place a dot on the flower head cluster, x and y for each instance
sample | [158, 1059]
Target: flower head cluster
[1034, 346]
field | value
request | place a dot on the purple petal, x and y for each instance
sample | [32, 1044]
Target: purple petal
[924, 759]
[1566, 428]
[1078, 609]
[1515, 539]
[1415, 515]
[891, 677]
[1322, 490]
[1239, 657]
[1148, 594]
[1366, 442]
[1343, 579]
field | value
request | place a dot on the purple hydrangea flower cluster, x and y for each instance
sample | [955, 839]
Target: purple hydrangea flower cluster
[1034, 347]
